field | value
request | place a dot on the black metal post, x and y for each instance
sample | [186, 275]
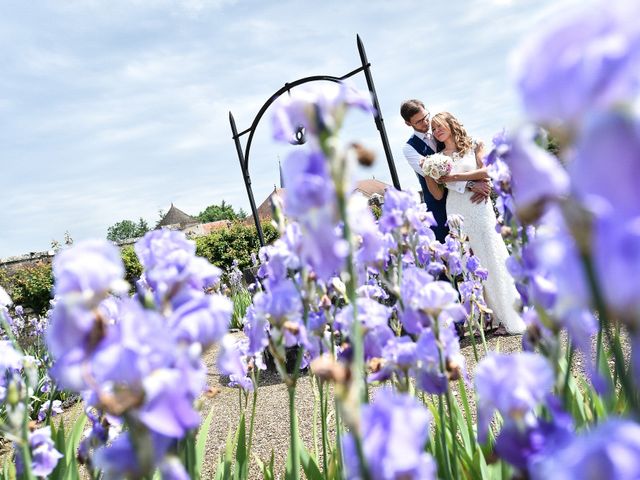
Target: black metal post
[247, 178]
[378, 113]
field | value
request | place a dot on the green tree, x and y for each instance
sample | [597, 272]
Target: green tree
[224, 211]
[224, 246]
[127, 229]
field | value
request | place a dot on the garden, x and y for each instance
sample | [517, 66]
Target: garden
[375, 334]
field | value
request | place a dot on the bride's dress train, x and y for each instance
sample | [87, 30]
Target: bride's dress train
[479, 225]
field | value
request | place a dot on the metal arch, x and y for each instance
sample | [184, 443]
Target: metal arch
[287, 87]
[377, 115]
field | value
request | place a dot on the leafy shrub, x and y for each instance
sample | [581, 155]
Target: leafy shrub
[30, 285]
[238, 242]
[241, 301]
[132, 266]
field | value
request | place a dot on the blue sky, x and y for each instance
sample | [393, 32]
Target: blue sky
[112, 110]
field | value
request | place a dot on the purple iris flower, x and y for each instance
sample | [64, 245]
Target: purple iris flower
[372, 245]
[428, 372]
[256, 328]
[399, 355]
[615, 136]
[168, 408]
[611, 450]
[536, 175]
[423, 304]
[372, 291]
[609, 190]
[44, 456]
[393, 432]
[69, 328]
[280, 304]
[281, 257]
[317, 110]
[374, 318]
[324, 249]
[205, 319]
[369, 312]
[56, 409]
[617, 259]
[552, 268]
[309, 184]
[97, 436]
[118, 459]
[232, 361]
[86, 273]
[171, 265]
[595, 63]
[10, 359]
[171, 468]
[159, 247]
[513, 384]
[520, 445]
[404, 208]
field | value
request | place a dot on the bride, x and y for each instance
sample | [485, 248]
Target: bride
[479, 218]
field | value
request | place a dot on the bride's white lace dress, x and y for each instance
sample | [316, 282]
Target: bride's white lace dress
[487, 244]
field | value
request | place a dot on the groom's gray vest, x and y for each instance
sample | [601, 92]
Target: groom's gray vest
[437, 207]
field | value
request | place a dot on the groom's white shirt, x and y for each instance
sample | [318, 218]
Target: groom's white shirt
[412, 156]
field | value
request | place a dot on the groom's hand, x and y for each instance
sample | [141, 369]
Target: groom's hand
[481, 191]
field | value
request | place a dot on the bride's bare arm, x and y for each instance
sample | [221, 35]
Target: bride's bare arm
[479, 151]
[478, 174]
[434, 189]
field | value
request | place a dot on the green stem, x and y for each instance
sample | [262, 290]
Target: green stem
[454, 438]
[451, 466]
[599, 344]
[467, 411]
[625, 381]
[567, 377]
[323, 423]
[256, 378]
[617, 340]
[52, 394]
[314, 426]
[339, 455]
[357, 361]
[484, 340]
[470, 328]
[293, 432]
[443, 438]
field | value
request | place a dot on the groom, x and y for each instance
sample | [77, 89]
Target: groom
[420, 145]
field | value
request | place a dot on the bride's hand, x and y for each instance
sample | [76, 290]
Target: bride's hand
[446, 178]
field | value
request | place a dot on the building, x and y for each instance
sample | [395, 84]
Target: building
[176, 219]
[371, 188]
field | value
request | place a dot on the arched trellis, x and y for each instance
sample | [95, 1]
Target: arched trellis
[243, 156]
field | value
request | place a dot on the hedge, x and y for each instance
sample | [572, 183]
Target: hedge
[237, 242]
[30, 285]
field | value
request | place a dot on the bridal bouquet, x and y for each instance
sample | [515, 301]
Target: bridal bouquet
[436, 165]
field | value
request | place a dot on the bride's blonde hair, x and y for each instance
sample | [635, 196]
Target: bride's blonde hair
[460, 137]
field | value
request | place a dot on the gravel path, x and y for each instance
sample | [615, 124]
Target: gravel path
[271, 431]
